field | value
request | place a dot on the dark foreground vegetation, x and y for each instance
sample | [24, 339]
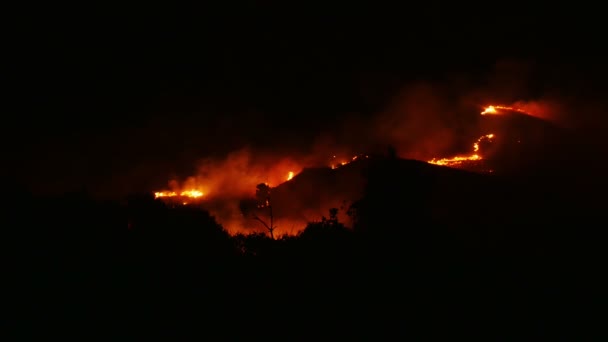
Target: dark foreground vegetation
[524, 260]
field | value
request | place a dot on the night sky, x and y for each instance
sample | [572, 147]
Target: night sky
[121, 99]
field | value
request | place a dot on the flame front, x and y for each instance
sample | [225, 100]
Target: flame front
[290, 175]
[494, 110]
[185, 193]
[457, 160]
[454, 160]
[160, 194]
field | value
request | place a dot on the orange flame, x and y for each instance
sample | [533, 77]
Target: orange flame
[185, 193]
[192, 193]
[489, 110]
[290, 175]
[457, 160]
[160, 194]
[494, 110]
[454, 160]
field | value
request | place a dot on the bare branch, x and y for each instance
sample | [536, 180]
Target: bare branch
[255, 217]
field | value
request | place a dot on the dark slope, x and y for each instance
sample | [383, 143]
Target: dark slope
[524, 144]
[445, 193]
[311, 193]
[436, 252]
[441, 246]
[467, 208]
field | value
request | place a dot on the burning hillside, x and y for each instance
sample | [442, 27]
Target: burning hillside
[220, 186]
[458, 160]
[303, 191]
[477, 152]
[514, 136]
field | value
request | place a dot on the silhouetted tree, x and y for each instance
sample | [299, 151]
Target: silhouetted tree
[260, 203]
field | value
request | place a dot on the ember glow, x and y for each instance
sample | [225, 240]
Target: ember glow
[343, 162]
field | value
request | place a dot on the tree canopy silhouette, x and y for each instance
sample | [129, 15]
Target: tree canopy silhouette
[260, 208]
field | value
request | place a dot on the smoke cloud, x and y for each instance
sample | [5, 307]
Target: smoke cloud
[238, 174]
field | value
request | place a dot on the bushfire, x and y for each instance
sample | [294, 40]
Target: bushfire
[220, 185]
[231, 180]
[197, 192]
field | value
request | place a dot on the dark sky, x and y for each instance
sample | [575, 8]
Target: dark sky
[120, 98]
